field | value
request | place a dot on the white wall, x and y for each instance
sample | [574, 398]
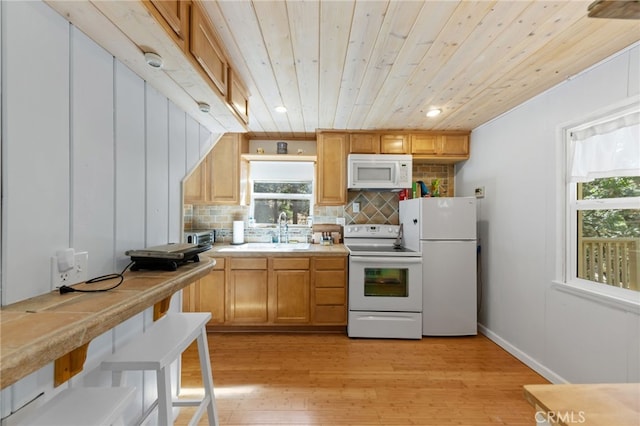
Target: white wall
[92, 158]
[519, 160]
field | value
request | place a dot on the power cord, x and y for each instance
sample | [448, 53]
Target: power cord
[66, 289]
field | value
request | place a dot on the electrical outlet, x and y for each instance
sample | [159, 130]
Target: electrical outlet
[340, 221]
[480, 192]
[356, 207]
[77, 274]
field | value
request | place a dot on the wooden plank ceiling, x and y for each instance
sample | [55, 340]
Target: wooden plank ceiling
[373, 64]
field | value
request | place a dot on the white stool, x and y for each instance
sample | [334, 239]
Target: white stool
[156, 349]
[82, 407]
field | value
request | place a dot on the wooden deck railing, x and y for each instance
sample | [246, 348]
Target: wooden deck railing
[612, 261]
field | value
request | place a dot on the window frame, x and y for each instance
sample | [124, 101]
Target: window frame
[598, 291]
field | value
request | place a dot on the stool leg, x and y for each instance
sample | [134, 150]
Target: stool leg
[165, 401]
[207, 378]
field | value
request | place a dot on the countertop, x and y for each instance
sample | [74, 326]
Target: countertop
[602, 404]
[39, 330]
[314, 250]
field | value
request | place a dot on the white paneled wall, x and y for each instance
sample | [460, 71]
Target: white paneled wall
[92, 153]
[157, 173]
[92, 158]
[35, 144]
[130, 185]
[177, 169]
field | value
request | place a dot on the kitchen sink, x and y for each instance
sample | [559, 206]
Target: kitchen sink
[273, 247]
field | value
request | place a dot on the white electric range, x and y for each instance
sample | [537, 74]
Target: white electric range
[385, 283]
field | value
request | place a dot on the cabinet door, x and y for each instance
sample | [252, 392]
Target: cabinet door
[289, 290]
[174, 14]
[425, 144]
[331, 169]
[195, 186]
[364, 143]
[238, 97]
[248, 296]
[395, 144]
[223, 169]
[455, 145]
[211, 294]
[206, 49]
[189, 297]
[289, 296]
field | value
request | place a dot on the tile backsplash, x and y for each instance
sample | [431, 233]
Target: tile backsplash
[374, 207]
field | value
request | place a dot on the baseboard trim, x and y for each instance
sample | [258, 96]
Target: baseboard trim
[522, 356]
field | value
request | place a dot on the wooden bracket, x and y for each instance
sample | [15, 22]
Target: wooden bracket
[69, 365]
[161, 308]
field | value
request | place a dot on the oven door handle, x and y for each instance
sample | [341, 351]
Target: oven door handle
[386, 260]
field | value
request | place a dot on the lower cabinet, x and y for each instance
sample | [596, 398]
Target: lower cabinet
[272, 291]
[207, 294]
[289, 290]
[247, 295]
[330, 290]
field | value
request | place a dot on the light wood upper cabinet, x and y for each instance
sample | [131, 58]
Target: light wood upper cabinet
[238, 97]
[424, 144]
[224, 171]
[331, 169]
[206, 49]
[364, 143]
[217, 178]
[395, 144]
[173, 15]
[440, 146]
[455, 145]
[195, 186]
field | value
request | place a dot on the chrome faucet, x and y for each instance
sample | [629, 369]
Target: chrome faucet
[283, 216]
[398, 243]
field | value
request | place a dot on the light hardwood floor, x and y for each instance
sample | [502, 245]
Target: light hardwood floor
[329, 379]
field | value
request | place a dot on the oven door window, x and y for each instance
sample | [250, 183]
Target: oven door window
[386, 282]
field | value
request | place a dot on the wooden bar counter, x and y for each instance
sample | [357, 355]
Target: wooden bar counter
[42, 329]
[605, 404]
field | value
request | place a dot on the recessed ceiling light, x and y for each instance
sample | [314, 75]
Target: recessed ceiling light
[153, 60]
[434, 112]
[204, 107]
[281, 109]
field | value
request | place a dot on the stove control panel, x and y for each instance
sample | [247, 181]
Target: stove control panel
[371, 231]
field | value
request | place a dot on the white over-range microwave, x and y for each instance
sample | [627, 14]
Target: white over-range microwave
[379, 171]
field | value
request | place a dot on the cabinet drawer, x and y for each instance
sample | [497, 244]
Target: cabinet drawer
[330, 314]
[330, 263]
[291, 263]
[330, 296]
[219, 263]
[249, 263]
[330, 278]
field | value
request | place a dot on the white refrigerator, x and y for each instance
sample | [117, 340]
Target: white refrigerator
[444, 231]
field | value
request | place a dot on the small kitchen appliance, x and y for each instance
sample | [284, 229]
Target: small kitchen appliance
[200, 236]
[379, 171]
[443, 230]
[385, 284]
[166, 257]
